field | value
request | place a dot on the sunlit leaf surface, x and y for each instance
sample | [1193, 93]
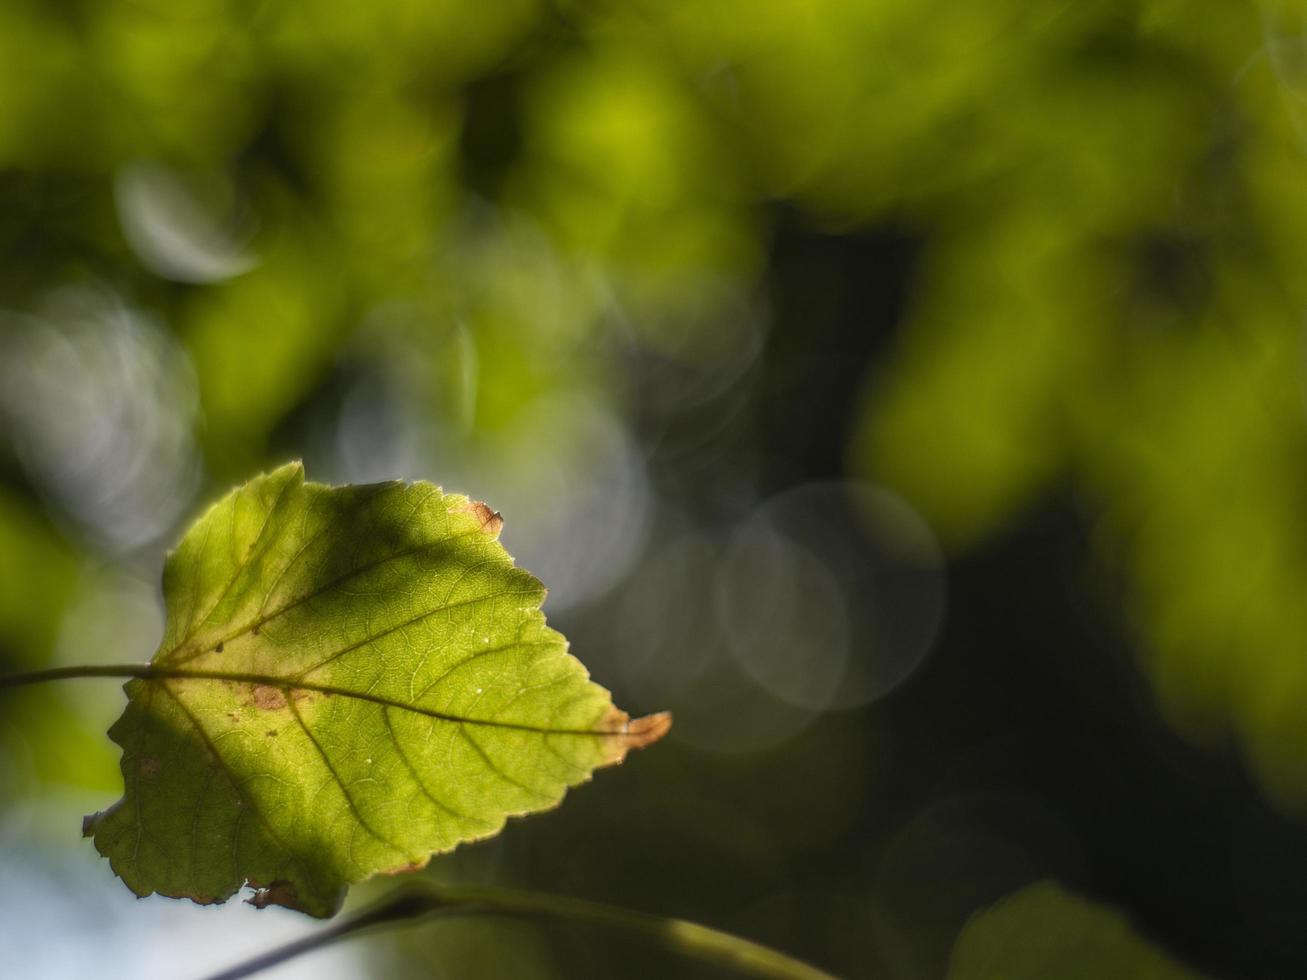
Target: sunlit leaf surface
[371, 681]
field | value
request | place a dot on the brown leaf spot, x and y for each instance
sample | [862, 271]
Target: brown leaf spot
[149, 766]
[268, 698]
[492, 522]
[218, 648]
[271, 733]
[278, 893]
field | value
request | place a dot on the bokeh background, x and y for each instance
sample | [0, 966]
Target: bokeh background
[908, 394]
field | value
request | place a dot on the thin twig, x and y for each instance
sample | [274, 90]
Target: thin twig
[412, 904]
[416, 903]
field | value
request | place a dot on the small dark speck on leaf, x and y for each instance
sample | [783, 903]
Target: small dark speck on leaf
[272, 734]
[218, 648]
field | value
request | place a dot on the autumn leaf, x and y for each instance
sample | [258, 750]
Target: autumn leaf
[351, 680]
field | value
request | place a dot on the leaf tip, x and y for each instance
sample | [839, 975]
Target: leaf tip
[630, 734]
[649, 729]
[291, 470]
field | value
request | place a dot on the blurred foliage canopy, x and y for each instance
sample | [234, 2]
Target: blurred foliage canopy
[1044, 931]
[510, 202]
[524, 247]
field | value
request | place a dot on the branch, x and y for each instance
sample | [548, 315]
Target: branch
[412, 904]
[415, 903]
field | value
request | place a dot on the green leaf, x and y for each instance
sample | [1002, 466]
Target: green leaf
[351, 679]
[1043, 931]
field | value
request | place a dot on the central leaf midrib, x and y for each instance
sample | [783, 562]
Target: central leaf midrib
[149, 673]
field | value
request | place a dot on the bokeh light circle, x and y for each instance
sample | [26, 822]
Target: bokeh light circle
[832, 594]
[675, 652]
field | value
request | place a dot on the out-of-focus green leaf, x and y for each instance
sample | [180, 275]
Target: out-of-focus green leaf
[1044, 932]
[624, 167]
[185, 78]
[261, 340]
[1005, 326]
[385, 167]
[369, 680]
[37, 577]
[40, 76]
[54, 744]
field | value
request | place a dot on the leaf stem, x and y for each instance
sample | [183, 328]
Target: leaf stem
[415, 903]
[66, 673]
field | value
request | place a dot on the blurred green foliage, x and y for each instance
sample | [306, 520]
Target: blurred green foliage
[529, 250]
[1044, 931]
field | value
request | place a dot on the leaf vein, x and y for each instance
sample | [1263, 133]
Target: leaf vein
[197, 623]
[318, 535]
[413, 621]
[261, 621]
[417, 777]
[236, 785]
[344, 790]
[494, 767]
